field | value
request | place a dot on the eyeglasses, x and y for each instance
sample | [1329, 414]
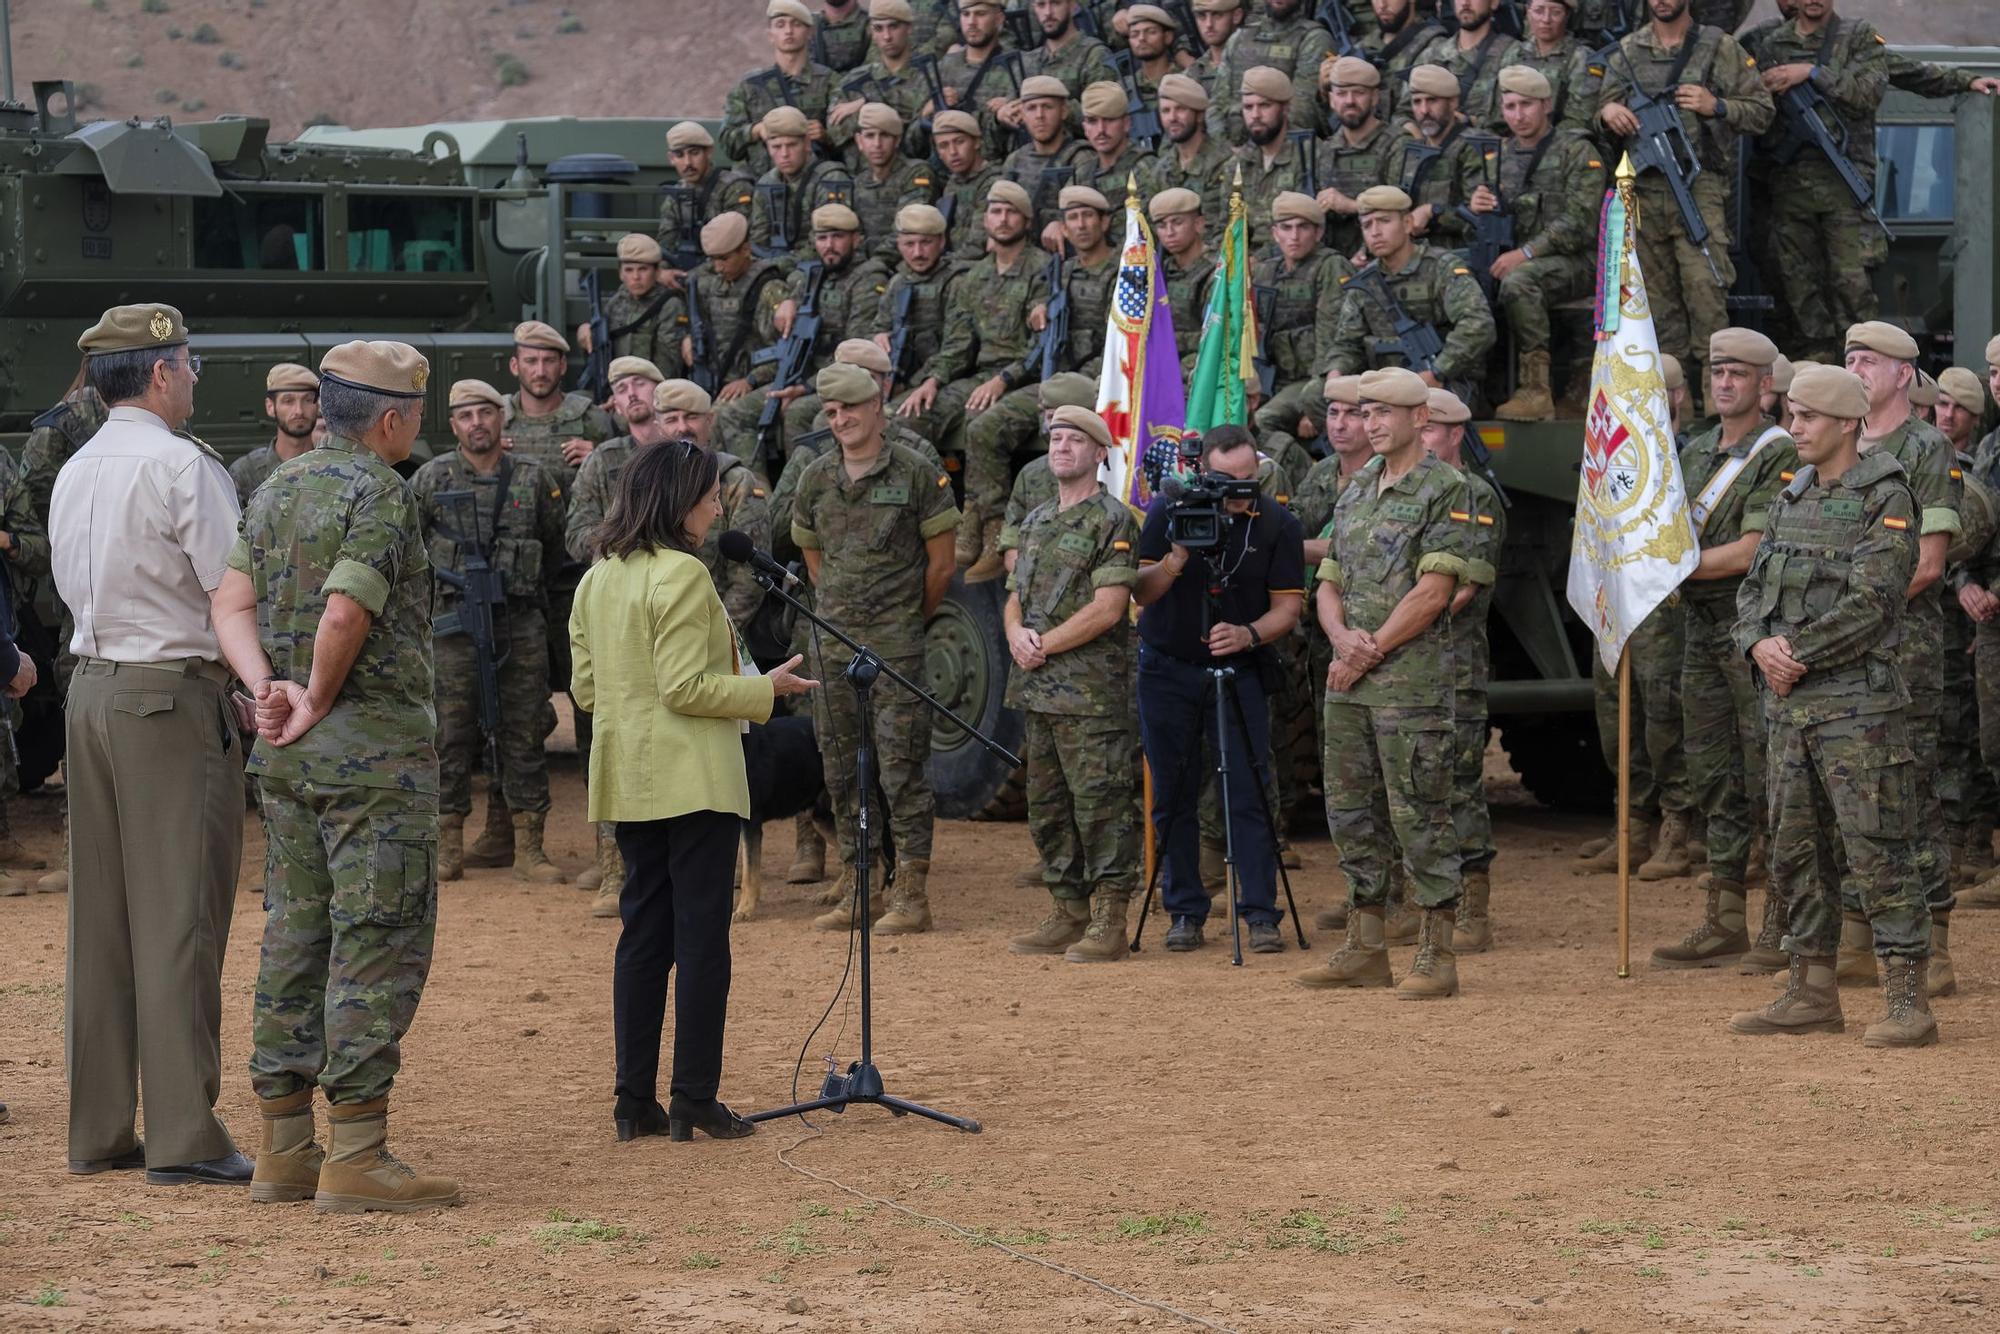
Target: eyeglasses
[193, 364]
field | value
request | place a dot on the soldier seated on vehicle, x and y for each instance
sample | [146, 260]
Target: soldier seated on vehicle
[1189, 158]
[1430, 160]
[1051, 158]
[702, 191]
[793, 80]
[787, 195]
[644, 316]
[885, 181]
[1304, 279]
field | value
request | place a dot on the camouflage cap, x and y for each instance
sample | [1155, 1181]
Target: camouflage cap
[920, 220]
[1383, 199]
[954, 122]
[788, 9]
[682, 396]
[1184, 92]
[1013, 195]
[863, 352]
[1923, 390]
[1833, 390]
[1993, 352]
[1448, 407]
[533, 333]
[289, 376]
[623, 367]
[1964, 388]
[470, 393]
[835, 218]
[1172, 203]
[1069, 389]
[1354, 72]
[134, 329]
[1082, 196]
[1342, 389]
[1044, 85]
[1671, 373]
[689, 134]
[396, 369]
[1433, 81]
[1781, 373]
[638, 248]
[880, 116]
[1290, 204]
[724, 234]
[841, 383]
[1394, 385]
[1082, 419]
[1104, 99]
[784, 123]
[890, 11]
[1266, 82]
[1741, 345]
[1151, 14]
[1525, 81]
[1881, 336]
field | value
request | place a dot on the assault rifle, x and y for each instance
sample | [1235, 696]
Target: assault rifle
[1183, 12]
[1307, 148]
[1145, 119]
[596, 377]
[1051, 351]
[1662, 145]
[1492, 233]
[482, 593]
[793, 353]
[1264, 302]
[1808, 122]
[685, 252]
[1022, 27]
[777, 207]
[1048, 192]
[780, 84]
[1338, 20]
[820, 53]
[701, 340]
[899, 337]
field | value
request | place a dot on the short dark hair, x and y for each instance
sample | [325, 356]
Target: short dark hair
[349, 410]
[120, 377]
[1225, 439]
[660, 488]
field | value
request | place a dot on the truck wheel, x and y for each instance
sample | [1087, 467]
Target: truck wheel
[1559, 760]
[965, 656]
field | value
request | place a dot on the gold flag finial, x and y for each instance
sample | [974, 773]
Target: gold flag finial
[1626, 178]
[1131, 189]
[1626, 173]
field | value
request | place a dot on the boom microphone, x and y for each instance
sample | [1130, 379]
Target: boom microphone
[738, 546]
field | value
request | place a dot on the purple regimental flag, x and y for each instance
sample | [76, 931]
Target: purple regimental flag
[1139, 394]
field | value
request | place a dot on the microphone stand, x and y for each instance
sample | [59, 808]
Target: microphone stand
[861, 1082]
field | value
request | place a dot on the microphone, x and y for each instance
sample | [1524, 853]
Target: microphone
[739, 547]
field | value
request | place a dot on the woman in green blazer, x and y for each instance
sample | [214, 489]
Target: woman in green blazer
[661, 671]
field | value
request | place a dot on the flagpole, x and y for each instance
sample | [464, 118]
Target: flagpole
[1625, 813]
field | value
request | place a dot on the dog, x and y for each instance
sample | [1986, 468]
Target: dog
[782, 761]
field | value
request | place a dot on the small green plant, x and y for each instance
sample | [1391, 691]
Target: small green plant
[166, 95]
[509, 70]
[1162, 1225]
[173, 34]
[388, 1252]
[205, 35]
[229, 60]
[137, 60]
[484, 1239]
[358, 1279]
[874, 1267]
[212, 1253]
[1652, 1271]
[701, 1260]
[50, 1295]
[152, 6]
[1985, 1233]
[569, 23]
[564, 1229]
[1654, 1241]
[1810, 1271]
[814, 1209]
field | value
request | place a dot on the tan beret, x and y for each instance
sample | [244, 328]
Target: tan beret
[689, 134]
[622, 367]
[682, 396]
[1267, 83]
[1525, 81]
[1744, 345]
[134, 329]
[1292, 204]
[1964, 388]
[880, 116]
[724, 234]
[1342, 389]
[1044, 85]
[863, 352]
[1104, 99]
[1069, 389]
[1151, 14]
[835, 218]
[1923, 390]
[1803, 364]
[288, 376]
[1433, 81]
[920, 220]
[638, 248]
[788, 9]
[894, 11]
[840, 383]
[1394, 385]
[1881, 336]
[396, 369]
[1184, 92]
[1833, 390]
[1082, 419]
[533, 333]
[1012, 195]
[1671, 373]
[1781, 373]
[1448, 407]
[784, 123]
[1993, 352]
[1217, 6]
[1383, 199]
[1082, 196]
[954, 122]
[469, 393]
[1354, 72]
[1172, 203]
[964, 5]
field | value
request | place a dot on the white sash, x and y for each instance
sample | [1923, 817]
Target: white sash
[1703, 506]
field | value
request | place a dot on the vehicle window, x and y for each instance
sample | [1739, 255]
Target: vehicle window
[245, 230]
[521, 224]
[409, 234]
[1915, 176]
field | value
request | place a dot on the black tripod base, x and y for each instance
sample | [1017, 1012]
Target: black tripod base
[862, 1084]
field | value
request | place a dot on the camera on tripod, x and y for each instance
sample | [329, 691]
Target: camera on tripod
[1196, 499]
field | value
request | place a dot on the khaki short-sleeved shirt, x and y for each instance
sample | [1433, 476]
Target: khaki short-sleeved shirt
[141, 522]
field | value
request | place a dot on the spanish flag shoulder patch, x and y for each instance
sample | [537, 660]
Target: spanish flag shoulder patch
[1786, 476]
[943, 480]
[1121, 546]
[1956, 474]
[1462, 516]
[1486, 520]
[1900, 525]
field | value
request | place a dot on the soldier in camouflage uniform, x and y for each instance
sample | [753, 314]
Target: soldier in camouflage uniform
[1966, 787]
[1215, 22]
[1117, 163]
[786, 196]
[840, 35]
[794, 80]
[690, 202]
[1300, 288]
[1050, 159]
[1353, 156]
[924, 271]
[1066, 53]
[961, 197]
[1400, 546]
[1179, 220]
[332, 549]
[1714, 84]
[644, 317]
[936, 30]
[886, 182]
[1189, 158]
[1274, 161]
[1986, 635]
[850, 298]
[1405, 35]
[1284, 38]
[736, 296]
[1150, 36]
[1818, 615]
[996, 436]
[886, 78]
[875, 523]
[1475, 54]
[291, 400]
[24, 552]
[1072, 646]
[1035, 483]
[544, 423]
[1552, 50]
[1552, 182]
[982, 79]
[515, 520]
[1436, 150]
[1731, 471]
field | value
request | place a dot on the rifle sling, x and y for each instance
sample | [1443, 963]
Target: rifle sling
[745, 326]
[642, 319]
[1405, 38]
[1534, 161]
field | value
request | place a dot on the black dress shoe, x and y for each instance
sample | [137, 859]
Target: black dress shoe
[1266, 938]
[1184, 935]
[711, 1118]
[231, 1170]
[131, 1160]
[634, 1118]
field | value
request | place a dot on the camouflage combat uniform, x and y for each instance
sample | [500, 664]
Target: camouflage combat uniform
[521, 534]
[757, 95]
[1430, 173]
[1081, 62]
[1555, 216]
[1035, 484]
[840, 44]
[1477, 71]
[1043, 175]
[818, 441]
[26, 563]
[350, 808]
[1966, 787]
[1351, 168]
[850, 300]
[686, 209]
[1208, 175]
[541, 438]
[986, 334]
[963, 203]
[1843, 783]
[656, 337]
[1572, 85]
[1472, 666]
[924, 320]
[740, 315]
[877, 200]
[1110, 178]
[903, 90]
[1264, 181]
[781, 209]
[974, 86]
[1436, 288]
[1303, 306]
[250, 471]
[1187, 298]
[1294, 46]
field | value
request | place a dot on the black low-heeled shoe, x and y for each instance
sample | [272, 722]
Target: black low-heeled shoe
[711, 1118]
[634, 1118]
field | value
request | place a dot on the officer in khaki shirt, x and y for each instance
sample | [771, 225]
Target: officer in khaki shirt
[141, 522]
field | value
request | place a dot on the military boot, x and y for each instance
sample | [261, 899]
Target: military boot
[1857, 952]
[1532, 401]
[1720, 937]
[842, 888]
[495, 844]
[1768, 954]
[1590, 847]
[842, 915]
[13, 856]
[451, 847]
[55, 882]
[1363, 961]
[808, 852]
[13, 887]
[531, 863]
[610, 873]
[360, 1174]
[1104, 939]
[1984, 894]
[1909, 1022]
[1332, 919]
[1640, 847]
[288, 1161]
[1670, 854]
[1810, 1003]
[1214, 869]
[1062, 928]
[1433, 973]
[1939, 979]
[909, 899]
[592, 876]
[1978, 850]
[1474, 934]
[991, 564]
[970, 527]
[1399, 924]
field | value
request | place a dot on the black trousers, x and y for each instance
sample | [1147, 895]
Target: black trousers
[675, 906]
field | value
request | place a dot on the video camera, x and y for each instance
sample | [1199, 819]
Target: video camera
[1195, 499]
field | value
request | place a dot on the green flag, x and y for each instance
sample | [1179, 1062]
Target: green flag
[1226, 358]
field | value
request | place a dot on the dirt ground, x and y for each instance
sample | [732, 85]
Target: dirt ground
[1555, 1150]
